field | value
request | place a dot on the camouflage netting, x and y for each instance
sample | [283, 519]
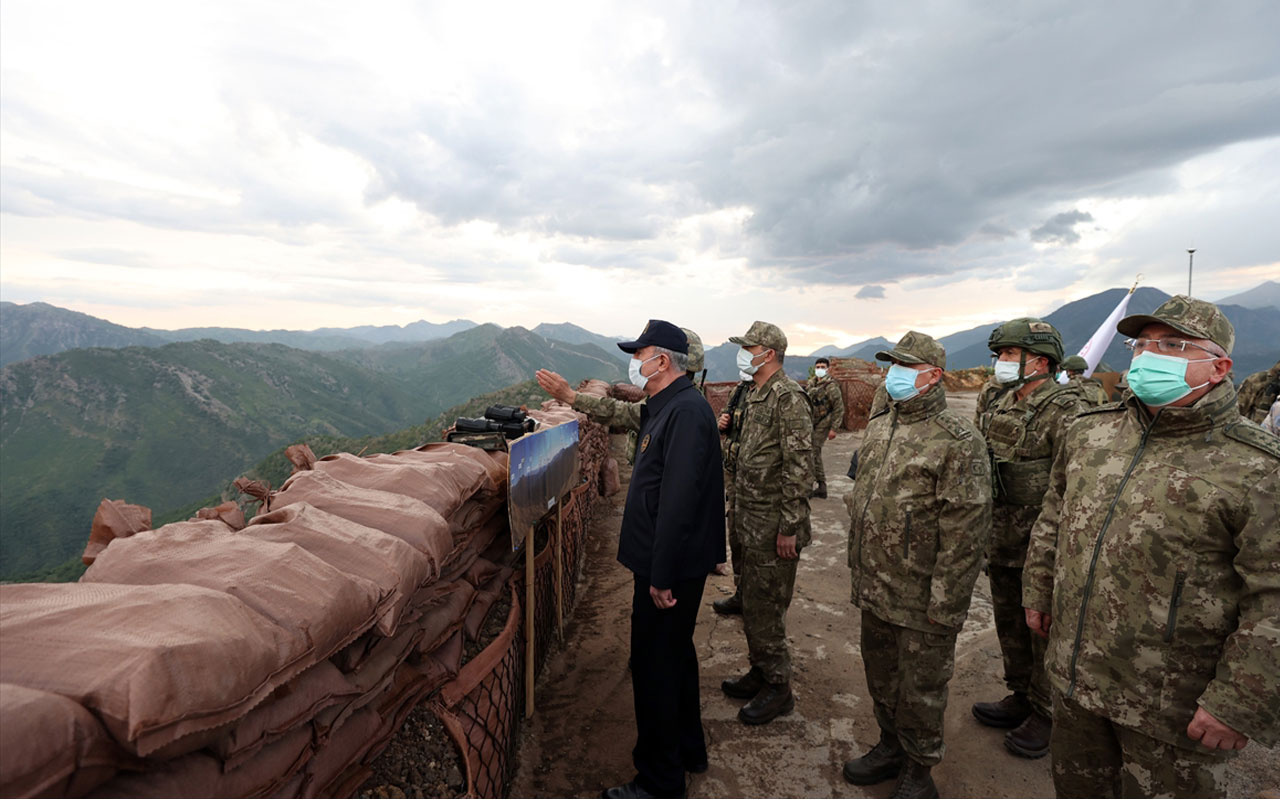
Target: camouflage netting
[219, 659]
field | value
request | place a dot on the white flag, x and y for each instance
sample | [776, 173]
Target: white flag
[1101, 339]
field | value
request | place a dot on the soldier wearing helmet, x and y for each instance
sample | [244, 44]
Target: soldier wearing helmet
[1023, 426]
[1091, 391]
[620, 413]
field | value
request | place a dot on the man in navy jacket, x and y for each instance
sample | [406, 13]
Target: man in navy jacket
[672, 536]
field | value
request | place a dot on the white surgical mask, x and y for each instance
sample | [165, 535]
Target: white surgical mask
[820, 372]
[633, 372]
[744, 362]
[744, 376]
[1006, 371]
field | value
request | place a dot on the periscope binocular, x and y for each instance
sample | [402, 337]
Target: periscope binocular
[510, 421]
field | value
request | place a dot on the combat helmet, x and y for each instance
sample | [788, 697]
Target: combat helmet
[1074, 364]
[696, 355]
[1031, 334]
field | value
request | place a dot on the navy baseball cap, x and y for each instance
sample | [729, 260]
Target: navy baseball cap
[658, 333]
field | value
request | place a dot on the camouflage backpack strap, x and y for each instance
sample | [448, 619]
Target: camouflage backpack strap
[1253, 435]
[951, 424]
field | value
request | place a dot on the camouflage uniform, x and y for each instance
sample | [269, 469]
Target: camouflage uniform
[1022, 436]
[828, 414]
[1158, 553]
[989, 392]
[921, 517]
[729, 450]
[771, 483]
[1091, 391]
[1258, 392]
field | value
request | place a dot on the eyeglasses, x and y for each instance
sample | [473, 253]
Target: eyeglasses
[1170, 346]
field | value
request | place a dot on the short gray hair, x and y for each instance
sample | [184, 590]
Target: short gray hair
[678, 360]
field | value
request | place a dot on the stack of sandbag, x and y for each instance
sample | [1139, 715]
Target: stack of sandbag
[198, 659]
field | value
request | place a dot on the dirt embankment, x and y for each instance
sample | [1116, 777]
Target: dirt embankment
[580, 740]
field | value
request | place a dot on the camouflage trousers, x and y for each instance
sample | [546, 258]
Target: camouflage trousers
[1023, 651]
[767, 585]
[907, 675]
[1094, 757]
[735, 535]
[819, 472]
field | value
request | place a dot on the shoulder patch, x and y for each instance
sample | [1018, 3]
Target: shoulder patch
[1253, 435]
[952, 425]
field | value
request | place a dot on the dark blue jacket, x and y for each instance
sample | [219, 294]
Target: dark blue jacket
[673, 523]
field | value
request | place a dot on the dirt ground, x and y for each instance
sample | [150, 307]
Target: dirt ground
[580, 740]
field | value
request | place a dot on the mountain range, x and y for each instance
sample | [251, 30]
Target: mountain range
[161, 425]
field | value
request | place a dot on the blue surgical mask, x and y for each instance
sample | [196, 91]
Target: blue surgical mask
[900, 383]
[1159, 380]
[633, 372]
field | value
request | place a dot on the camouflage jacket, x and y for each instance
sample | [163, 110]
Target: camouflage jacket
[1092, 392]
[986, 396]
[828, 404]
[773, 473]
[615, 414]
[1258, 392]
[1022, 437]
[1158, 554]
[921, 515]
[736, 409]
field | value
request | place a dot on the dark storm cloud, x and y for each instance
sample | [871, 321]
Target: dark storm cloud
[871, 292]
[1061, 228]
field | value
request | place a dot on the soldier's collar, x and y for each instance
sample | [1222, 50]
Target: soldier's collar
[923, 406]
[1217, 407]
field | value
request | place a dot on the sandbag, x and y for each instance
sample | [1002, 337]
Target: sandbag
[442, 485]
[114, 519]
[154, 663]
[406, 518]
[324, 607]
[389, 562]
[345, 747]
[51, 746]
[228, 512]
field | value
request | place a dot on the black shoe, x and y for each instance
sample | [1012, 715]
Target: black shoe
[879, 764]
[728, 605]
[744, 687]
[774, 700]
[915, 781]
[626, 790]
[1007, 713]
[820, 492]
[1031, 738]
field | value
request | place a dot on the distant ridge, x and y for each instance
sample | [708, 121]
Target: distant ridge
[1264, 295]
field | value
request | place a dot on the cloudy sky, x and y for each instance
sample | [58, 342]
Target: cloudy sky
[843, 169]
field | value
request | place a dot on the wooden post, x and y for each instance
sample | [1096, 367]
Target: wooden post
[529, 612]
[559, 566]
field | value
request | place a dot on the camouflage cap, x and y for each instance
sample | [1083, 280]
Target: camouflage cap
[1199, 319]
[1074, 363]
[916, 348]
[696, 355]
[764, 334]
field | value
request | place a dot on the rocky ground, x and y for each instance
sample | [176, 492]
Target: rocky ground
[580, 740]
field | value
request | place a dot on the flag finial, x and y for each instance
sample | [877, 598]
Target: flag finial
[1136, 281]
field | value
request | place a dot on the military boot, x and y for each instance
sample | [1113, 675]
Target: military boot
[1031, 738]
[879, 764]
[774, 700]
[746, 686]
[728, 605]
[915, 781]
[1007, 713]
[820, 492]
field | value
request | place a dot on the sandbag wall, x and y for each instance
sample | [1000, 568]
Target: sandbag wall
[278, 658]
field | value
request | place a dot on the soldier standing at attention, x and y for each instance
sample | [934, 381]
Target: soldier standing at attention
[772, 479]
[920, 512]
[730, 423]
[828, 414]
[608, 410]
[1154, 569]
[921, 515]
[1258, 393]
[1091, 391]
[1023, 428]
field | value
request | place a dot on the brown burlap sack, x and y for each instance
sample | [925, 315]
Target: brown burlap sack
[610, 482]
[228, 512]
[114, 519]
[443, 485]
[493, 462]
[406, 518]
[345, 747]
[154, 663]
[490, 584]
[300, 456]
[396, 568]
[307, 597]
[292, 705]
[51, 746]
[201, 775]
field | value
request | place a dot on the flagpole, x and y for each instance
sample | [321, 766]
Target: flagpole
[1191, 257]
